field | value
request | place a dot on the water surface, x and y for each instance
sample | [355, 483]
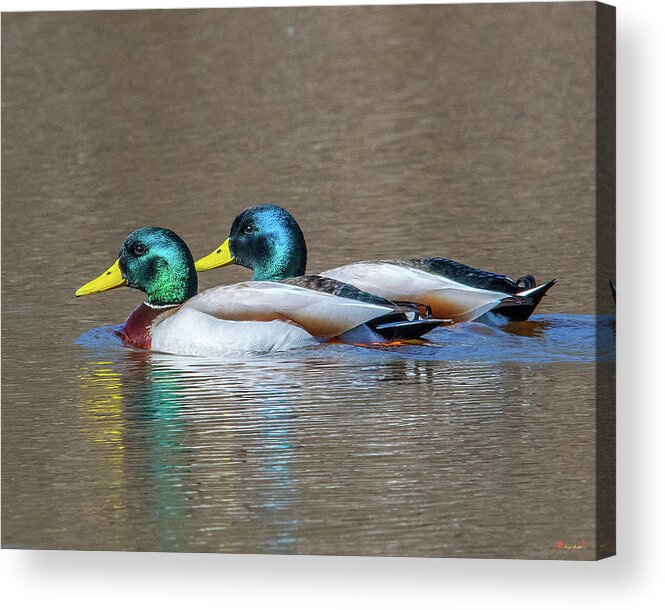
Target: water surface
[459, 131]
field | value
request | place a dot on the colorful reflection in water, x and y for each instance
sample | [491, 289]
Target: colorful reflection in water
[336, 446]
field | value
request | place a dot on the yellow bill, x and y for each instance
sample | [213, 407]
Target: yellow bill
[221, 257]
[111, 278]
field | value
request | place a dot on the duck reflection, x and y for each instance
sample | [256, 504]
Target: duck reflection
[131, 413]
[177, 438]
[528, 328]
[155, 437]
[102, 424]
[269, 453]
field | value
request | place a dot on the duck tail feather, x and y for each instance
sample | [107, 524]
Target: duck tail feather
[407, 329]
[520, 307]
[536, 293]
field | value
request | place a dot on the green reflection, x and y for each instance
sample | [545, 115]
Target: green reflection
[131, 414]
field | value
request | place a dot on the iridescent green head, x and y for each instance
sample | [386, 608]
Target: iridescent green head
[158, 262]
[154, 260]
[266, 239]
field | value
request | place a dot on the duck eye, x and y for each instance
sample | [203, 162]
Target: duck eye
[139, 249]
[248, 229]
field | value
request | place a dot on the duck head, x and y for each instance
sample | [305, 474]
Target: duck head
[264, 238]
[154, 260]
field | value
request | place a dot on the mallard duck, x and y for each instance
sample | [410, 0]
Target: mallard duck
[240, 318]
[268, 240]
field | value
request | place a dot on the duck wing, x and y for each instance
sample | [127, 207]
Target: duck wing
[322, 314]
[462, 274]
[347, 291]
[423, 281]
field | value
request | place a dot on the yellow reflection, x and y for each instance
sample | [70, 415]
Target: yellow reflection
[178, 449]
[102, 423]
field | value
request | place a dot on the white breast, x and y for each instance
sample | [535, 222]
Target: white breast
[193, 333]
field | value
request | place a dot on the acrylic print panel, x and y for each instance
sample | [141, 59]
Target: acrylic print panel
[274, 417]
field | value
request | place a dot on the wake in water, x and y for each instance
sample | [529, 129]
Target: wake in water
[545, 338]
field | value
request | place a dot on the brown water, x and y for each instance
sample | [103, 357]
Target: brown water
[458, 131]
